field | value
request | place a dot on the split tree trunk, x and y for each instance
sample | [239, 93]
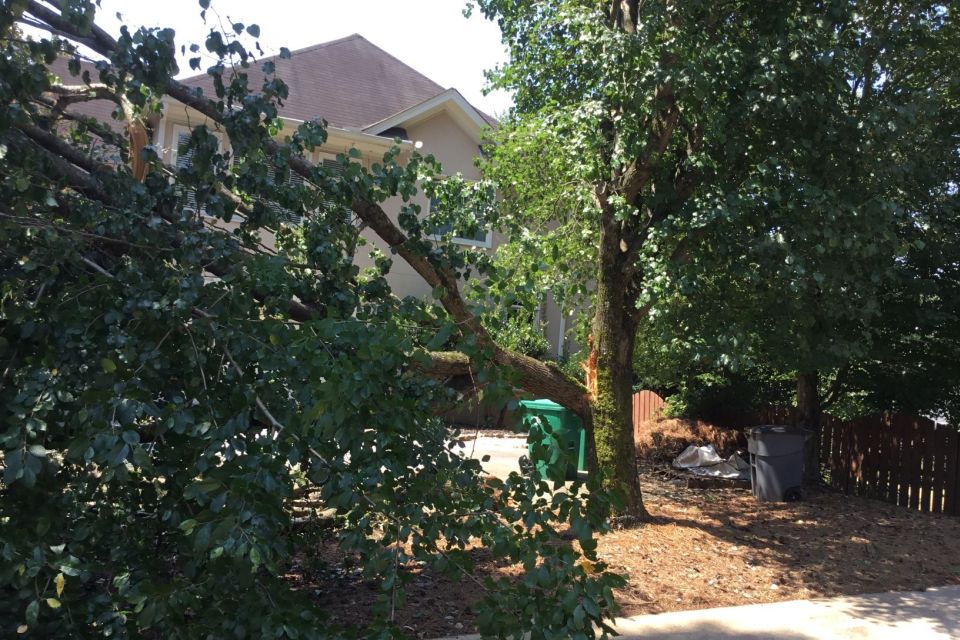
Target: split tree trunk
[808, 407]
[614, 332]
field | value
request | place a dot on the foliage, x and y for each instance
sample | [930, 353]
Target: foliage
[712, 396]
[782, 178]
[169, 385]
[572, 364]
[518, 333]
[836, 260]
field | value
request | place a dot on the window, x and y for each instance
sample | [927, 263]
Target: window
[482, 238]
[333, 168]
[184, 161]
[181, 136]
[286, 215]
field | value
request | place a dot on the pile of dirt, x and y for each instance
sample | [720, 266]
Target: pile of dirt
[662, 439]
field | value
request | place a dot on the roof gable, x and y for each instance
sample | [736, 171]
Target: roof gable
[466, 115]
[351, 83]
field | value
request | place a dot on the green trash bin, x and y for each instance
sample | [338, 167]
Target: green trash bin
[565, 426]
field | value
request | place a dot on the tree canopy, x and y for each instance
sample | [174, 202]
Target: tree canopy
[170, 385]
[743, 182]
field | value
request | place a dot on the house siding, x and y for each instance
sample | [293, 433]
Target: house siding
[440, 135]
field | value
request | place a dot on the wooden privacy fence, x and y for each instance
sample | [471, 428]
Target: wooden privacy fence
[908, 461]
[905, 460]
[646, 405]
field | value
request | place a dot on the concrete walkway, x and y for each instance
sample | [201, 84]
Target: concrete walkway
[504, 453]
[928, 615]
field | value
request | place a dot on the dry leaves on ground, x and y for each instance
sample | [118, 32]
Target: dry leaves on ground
[705, 548]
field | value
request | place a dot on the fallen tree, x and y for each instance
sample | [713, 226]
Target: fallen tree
[169, 386]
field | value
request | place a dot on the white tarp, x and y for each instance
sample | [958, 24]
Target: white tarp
[705, 461]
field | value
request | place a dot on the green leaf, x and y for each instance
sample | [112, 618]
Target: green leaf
[33, 611]
[109, 366]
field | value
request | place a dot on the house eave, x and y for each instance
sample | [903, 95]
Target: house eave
[357, 137]
[450, 101]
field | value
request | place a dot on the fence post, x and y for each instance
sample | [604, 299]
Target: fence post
[952, 489]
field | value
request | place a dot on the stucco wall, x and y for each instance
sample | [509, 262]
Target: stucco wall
[438, 134]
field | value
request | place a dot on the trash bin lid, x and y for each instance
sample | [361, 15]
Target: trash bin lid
[767, 430]
[542, 404]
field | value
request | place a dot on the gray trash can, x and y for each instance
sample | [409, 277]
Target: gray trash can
[776, 461]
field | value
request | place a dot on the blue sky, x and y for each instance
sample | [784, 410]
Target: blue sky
[432, 36]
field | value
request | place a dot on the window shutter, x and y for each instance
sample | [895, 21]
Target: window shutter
[335, 169]
[286, 215]
[185, 161]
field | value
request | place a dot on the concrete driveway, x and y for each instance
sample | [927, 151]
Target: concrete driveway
[504, 452]
[928, 615]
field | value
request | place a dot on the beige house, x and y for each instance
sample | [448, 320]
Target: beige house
[369, 98]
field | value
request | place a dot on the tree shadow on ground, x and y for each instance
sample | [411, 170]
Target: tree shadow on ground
[839, 545]
[936, 609]
[713, 631]
[717, 548]
[835, 544]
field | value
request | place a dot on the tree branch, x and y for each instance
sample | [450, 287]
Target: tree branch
[534, 375]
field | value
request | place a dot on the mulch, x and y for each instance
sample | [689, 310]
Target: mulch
[717, 548]
[704, 548]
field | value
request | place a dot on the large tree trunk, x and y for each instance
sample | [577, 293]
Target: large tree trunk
[808, 407]
[614, 335]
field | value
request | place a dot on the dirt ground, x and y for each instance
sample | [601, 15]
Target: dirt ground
[705, 548]
[716, 548]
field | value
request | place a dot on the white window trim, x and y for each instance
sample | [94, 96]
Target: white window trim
[467, 242]
[470, 242]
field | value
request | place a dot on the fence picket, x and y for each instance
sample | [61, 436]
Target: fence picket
[916, 458]
[939, 461]
[952, 473]
[646, 405]
[870, 456]
[836, 456]
[927, 464]
[893, 458]
[906, 473]
[884, 447]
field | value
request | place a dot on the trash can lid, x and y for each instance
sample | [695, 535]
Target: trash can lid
[776, 430]
[540, 404]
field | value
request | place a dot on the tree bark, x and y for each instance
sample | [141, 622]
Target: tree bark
[808, 408]
[614, 336]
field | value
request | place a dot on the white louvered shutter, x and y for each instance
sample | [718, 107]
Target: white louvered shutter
[286, 215]
[184, 161]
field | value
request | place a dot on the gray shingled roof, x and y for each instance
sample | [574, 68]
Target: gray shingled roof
[350, 82]
[101, 110]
